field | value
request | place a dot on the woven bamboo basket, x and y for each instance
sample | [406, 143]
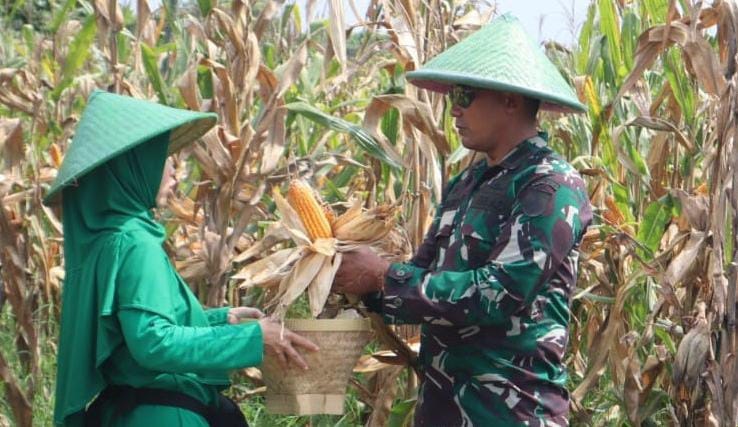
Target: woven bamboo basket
[322, 388]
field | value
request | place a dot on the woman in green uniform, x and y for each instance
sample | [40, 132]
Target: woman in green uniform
[136, 347]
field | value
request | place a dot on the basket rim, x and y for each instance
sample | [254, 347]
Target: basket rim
[327, 325]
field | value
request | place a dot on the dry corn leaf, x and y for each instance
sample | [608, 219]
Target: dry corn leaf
[207, 163]
[367, 227]
[320, 288]
[325, 246]
[368, 364]
[270, 10]
[269, 268]
[291, 220]
[187, 85]
[226, 24]
[400, 31]
[11, 141]
[352, 212]
[272, 151]
[632, 388]
[103, 11]
[606, 337]
[143, 13]
[276, 233]
[297, 281]
[685, 260]
[695, 208]
[337, 31]
[693, 350]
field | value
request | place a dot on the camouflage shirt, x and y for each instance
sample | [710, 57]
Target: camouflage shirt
[491, 286]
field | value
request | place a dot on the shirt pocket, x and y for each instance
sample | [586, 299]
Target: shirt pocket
[443, 236]
[488, 211]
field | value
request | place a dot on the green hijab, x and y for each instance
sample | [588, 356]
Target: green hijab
[114, 198]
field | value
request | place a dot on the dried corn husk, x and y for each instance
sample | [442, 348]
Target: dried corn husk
[311, 265]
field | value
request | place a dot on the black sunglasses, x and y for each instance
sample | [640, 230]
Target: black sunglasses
[463, 96]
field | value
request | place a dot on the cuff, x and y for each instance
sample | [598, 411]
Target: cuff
[217, 316]
[400, 290]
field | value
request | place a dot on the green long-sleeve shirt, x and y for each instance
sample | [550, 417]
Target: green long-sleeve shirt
[189, 350]
[160, 354]
[158, 335]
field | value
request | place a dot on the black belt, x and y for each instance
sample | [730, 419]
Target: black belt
[126, 398]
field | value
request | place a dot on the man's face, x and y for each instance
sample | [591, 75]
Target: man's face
[480, 123]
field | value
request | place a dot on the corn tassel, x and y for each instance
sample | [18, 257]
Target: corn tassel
[300, 197]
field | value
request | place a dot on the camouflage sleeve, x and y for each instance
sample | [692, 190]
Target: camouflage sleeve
[423, 256]
[547, 222]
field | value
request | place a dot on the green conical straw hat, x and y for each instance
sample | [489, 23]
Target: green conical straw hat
[112, 124]
[499, 56]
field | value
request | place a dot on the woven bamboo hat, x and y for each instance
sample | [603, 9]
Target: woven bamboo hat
[112, 124]
[499, 56]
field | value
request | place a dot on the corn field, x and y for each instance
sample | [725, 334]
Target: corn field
[298, 94]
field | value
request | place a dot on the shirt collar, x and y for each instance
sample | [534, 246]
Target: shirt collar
[523, 151]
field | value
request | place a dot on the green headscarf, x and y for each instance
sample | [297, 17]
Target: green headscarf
[116, 197]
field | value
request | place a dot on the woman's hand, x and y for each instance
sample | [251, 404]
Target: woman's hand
[237, 314]
[280, 343]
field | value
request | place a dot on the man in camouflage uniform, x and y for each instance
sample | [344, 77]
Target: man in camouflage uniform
[492, 281]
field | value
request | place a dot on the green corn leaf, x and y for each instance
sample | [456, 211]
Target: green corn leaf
[630, 32]
[205, 7]
[583, 53]
[345, 176]
[610, 28]
[362, 137]
[151, 64]
[17, 5]
[622, 200]
[680, 83]
[29, 37]
[205, 81]
[297, 18]
[401, 414]
[391, 125]
[655, 10]
[654, 222]
[61, 15]
[79, 51]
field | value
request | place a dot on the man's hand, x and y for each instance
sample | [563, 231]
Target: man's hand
[361, 272]
[280, 343]
[236, 314]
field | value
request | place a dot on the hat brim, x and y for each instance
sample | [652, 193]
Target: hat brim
[113, 124]
[443, 81]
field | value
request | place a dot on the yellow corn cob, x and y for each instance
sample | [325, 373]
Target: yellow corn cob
[56, 156]
[329, 214]
[300, 197]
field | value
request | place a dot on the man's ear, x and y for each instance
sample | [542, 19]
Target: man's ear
[512, 101]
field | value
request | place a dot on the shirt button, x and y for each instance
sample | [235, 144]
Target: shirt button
[401, 273]
[397, 302]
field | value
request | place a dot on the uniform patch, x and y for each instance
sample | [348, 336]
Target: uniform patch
[538, 197]
[488, 198]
